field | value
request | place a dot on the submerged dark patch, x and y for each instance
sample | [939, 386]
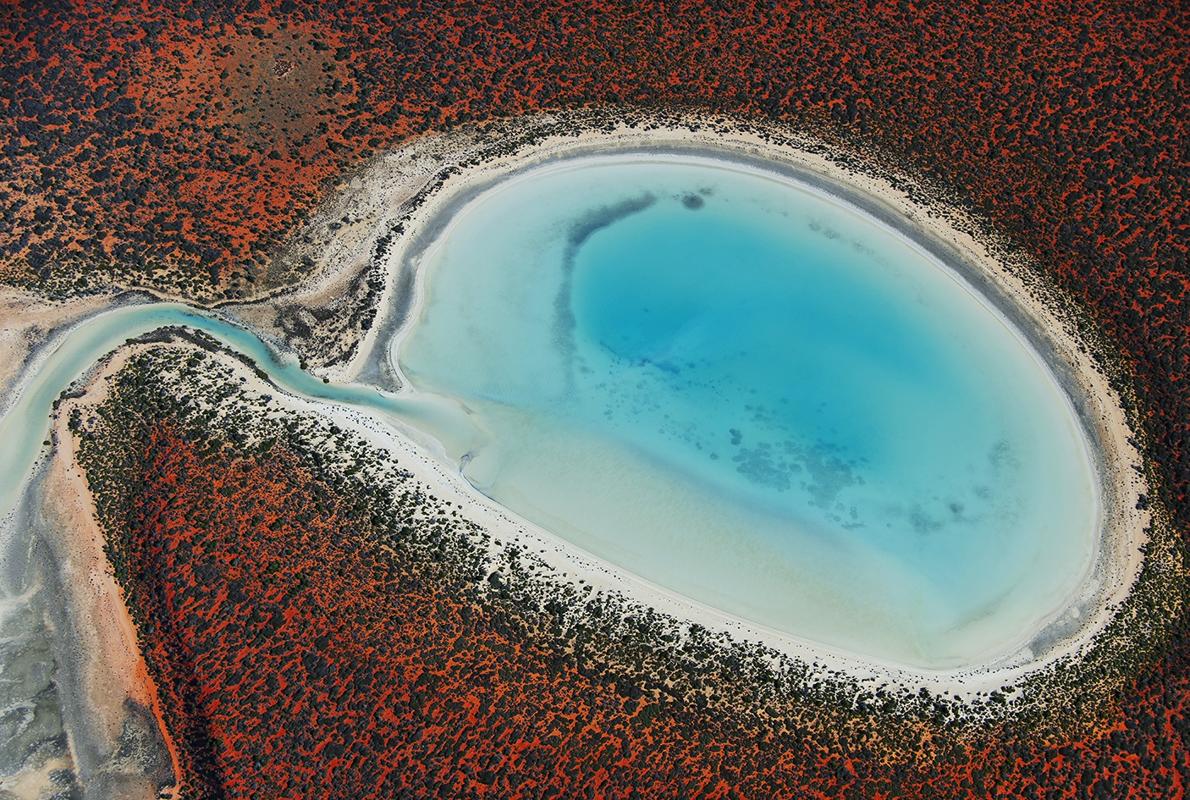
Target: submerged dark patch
[582, 230]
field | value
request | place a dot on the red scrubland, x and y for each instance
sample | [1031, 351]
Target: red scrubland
[307, 642]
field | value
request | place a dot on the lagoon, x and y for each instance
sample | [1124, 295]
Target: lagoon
[756, 396]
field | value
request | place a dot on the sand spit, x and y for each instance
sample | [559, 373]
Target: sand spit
[115, 735]
[96, 684]
[324, 316]
[945, 233]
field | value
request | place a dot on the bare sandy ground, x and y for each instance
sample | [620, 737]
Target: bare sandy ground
[111, 668]
[338, 241]
[36, 782]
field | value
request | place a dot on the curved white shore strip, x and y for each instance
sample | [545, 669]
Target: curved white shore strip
[1109, 571]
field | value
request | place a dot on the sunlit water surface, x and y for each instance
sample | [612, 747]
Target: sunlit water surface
[760, 398]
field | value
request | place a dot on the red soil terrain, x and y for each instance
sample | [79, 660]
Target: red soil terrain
[308, 641]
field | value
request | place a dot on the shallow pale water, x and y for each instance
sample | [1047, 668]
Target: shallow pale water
[760, 398]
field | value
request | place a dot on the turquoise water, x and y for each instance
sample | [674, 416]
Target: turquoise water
[759, 398]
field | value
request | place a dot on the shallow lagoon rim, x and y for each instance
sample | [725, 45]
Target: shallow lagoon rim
[1112, 577]
[1111, 564]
